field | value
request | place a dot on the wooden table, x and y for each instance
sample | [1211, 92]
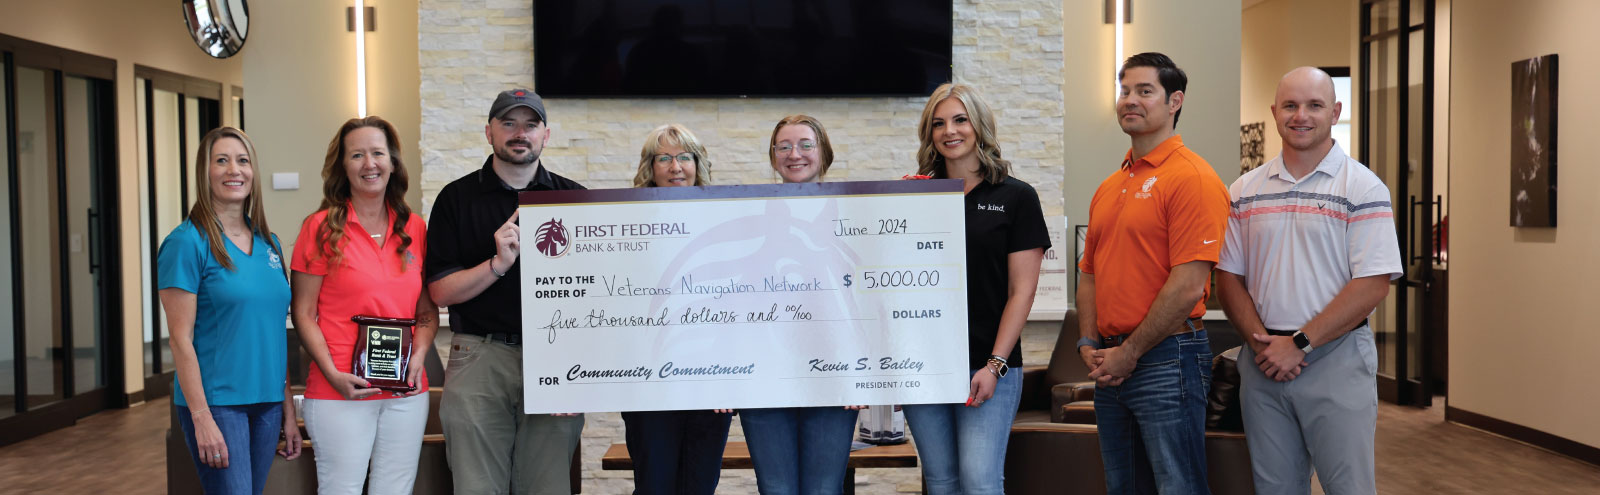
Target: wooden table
[737, 456]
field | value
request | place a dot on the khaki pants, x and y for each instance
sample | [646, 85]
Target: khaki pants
[494, 448]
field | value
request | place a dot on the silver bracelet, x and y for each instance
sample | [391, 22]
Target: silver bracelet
[491, 266]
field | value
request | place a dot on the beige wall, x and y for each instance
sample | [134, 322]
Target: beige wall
[299, 75]
[1279, 35]
[1521, 341]
[1202, 37]
[143, 32]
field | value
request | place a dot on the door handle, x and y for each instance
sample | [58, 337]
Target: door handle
[94, 251]
[1438, 221]
[1411, 230]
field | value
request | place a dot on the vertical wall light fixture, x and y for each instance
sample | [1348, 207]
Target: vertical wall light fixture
[363, 17]
[1117, 9]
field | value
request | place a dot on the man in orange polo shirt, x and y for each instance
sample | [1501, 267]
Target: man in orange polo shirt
[1155, 231]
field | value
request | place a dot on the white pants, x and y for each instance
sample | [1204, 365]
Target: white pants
[346, 434]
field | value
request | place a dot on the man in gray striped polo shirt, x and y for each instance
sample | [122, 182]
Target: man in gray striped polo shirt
[1309, 252]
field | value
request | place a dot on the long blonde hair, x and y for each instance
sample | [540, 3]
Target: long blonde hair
[204, 214]
[676, 135]
[336, 189]
[991, 167]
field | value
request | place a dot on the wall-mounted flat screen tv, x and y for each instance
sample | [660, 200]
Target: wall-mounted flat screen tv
[713, 48]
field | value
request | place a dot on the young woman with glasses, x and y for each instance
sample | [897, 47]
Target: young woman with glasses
[800, 450]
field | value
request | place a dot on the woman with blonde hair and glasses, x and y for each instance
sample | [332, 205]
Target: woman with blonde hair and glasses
[222, 284]
[963, 446]
[361, 254]
[672, 156]
[675, 452]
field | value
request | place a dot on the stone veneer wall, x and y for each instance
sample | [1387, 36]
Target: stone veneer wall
[469, 50]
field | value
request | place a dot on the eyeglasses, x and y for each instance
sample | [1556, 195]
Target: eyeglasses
[806, 145]
[685, 158]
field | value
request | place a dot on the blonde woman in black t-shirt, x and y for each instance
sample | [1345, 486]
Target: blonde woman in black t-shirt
[963, 446]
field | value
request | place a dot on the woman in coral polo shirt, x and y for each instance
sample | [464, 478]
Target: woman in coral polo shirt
[361, 253]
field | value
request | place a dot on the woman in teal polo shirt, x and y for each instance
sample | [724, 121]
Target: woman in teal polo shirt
[226, 296]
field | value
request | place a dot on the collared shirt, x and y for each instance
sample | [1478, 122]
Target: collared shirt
[367, 279]
[461, 229]
[1002, 219]
[239, 340]
[1298, 242]
[1162, 210]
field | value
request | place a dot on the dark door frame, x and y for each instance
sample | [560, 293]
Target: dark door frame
[158, 383]
[32, 420]
[1400, 388]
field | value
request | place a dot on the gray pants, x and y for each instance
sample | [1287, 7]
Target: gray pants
[494, 448]
[1324, 419]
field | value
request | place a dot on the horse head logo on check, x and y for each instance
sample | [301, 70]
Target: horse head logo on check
[551, 239]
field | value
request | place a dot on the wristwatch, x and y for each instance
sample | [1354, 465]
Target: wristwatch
[1302, 341]
[997, 365]
[1085, 341]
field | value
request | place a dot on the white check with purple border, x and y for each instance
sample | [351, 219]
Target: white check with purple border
[736, 297]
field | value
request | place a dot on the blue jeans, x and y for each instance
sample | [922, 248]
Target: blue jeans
[799, 450]
[251, 432]
[1152, 427]
[963, 449]
[676, 452]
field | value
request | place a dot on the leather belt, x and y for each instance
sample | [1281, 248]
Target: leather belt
[1290, 333]
[1190, 325]
[506, 338]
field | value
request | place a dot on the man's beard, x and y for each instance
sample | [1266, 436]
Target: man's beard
[504, 154]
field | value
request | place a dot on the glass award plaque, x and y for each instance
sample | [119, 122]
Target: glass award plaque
[383, 352]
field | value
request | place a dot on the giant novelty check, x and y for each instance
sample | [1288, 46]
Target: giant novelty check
[715, 297]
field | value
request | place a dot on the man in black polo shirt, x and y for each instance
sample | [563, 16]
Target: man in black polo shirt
[473, 247]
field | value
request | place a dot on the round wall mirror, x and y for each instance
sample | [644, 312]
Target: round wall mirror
[218, 26]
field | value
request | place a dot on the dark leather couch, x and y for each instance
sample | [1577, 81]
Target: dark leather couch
[1054, 446]
[1065, 369]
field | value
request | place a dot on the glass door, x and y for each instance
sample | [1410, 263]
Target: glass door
[57, 292]
[174, 111]
[1398, 144]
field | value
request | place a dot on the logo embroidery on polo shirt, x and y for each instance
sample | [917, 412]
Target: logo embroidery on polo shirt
[1144, 192]
[274, 262]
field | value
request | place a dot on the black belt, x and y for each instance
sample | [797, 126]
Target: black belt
[506, 338]
[1191, 325]
[1290, 333]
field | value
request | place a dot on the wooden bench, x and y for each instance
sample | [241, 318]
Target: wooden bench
[737, 456]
